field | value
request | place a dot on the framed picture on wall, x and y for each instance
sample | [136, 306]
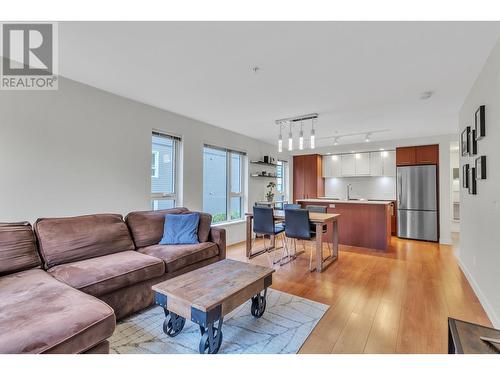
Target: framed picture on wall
[472, 143]
[481, 168]
[480, 122]
[465, 176]
[465, 141]
[472, 180]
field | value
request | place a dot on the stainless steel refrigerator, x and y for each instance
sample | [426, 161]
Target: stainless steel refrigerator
[417, 202]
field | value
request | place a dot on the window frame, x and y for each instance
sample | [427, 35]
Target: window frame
[173, 196]
[156, 166]
[283, 165]
[229, 193]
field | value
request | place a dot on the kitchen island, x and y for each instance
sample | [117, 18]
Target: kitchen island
[361, 223]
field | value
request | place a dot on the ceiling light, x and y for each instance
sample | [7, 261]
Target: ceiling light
[381, 149]
[367, 137]
[336, 141]
[291, 122]
[313, 135]
[301, 138]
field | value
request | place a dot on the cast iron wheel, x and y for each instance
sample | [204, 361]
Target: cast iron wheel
[258, 305]
[174, 325]
[205, 343]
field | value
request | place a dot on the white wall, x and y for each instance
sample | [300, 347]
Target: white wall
[444, 165]
[80, 150]
[383, 188]
[479, 252]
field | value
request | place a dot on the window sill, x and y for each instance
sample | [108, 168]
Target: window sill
[226, 223]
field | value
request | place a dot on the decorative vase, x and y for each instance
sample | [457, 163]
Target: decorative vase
[270, 198]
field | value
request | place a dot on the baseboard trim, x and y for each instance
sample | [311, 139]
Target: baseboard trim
[495, 320]
[445, 241]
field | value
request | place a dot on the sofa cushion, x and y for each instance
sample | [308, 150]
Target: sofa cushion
[146, 227]
[39, 314]
[180, 229]
[101, 275]
[66, 240]
[17, 248]
[179, 256]
[204, 226]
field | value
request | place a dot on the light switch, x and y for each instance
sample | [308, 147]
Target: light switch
[332, 205]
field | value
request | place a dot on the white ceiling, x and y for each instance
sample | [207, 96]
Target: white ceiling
[359, 76]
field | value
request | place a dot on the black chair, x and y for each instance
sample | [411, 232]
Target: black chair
[291, 206]
[298, 227]
[314, 208]
[263, 224]
[257, 204]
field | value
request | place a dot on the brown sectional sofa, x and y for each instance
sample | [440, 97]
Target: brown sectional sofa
[88, 271]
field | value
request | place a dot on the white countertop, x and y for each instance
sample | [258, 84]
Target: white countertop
[329, 200]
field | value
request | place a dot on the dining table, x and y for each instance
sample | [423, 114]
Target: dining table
[316, 218]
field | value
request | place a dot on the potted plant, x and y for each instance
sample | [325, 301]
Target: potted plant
[270, 193]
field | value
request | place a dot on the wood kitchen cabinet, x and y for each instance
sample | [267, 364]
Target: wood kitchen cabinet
[417, 155]
[406, 156]
[308, 179]
[427, 154]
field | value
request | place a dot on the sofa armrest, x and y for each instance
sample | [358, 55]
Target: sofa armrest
[218, 236]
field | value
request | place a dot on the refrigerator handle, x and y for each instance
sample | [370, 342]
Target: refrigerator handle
[399, 188]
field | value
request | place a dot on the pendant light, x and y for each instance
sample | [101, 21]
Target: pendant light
[301, 138]
[280, 142]
[290, 138]
[313, 143]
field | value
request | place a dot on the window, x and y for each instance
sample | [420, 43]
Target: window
[164, 171]
[155, 168]
[223, 192]
[281, 183]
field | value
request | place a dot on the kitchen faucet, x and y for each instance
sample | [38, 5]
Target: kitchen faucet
[349, 187]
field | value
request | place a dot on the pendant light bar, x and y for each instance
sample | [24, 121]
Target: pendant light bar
[290, 122]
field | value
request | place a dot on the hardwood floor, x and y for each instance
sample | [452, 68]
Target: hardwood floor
[396, 301]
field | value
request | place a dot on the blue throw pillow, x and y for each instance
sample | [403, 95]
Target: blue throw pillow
[180, 229]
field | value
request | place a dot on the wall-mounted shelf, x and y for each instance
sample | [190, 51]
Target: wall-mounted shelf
[263, 163]
[263, 176]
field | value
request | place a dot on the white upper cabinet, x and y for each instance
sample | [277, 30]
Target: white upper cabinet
[389, 163]
[376, 164]
[362, 164]
[327, 167]
[332, 166]
[348, 162]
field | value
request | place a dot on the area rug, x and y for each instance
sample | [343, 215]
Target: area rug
[285, 325]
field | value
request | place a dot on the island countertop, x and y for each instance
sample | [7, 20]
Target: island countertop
[330, 200]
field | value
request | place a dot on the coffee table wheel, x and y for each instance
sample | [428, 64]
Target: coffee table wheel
[258, 305]
[208, 346]
[173, 325]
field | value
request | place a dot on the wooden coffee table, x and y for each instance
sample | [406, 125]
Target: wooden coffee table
[207, 294]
